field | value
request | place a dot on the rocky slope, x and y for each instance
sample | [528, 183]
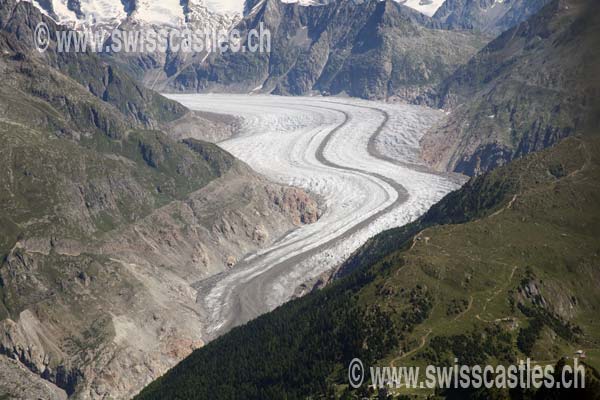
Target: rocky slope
[502, 269]
[136, 104]
[19, 383]
[18, 21]
[366, 49]
[489, 16]
[106, 222]
[526, 90]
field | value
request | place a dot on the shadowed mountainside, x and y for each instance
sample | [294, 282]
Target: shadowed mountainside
[529, 88]
[489, 16]
[368, 49]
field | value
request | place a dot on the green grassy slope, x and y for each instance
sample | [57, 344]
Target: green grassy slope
[502, 269]
[18, 21]
[64, 149]
[82, 157]
[81, 151]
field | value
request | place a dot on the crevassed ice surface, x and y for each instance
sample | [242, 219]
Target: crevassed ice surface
[321, 145]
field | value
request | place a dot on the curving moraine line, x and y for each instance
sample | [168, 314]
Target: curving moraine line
[244, 299]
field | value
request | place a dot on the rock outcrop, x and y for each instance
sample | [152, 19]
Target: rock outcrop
[14, 378]
[488, 16]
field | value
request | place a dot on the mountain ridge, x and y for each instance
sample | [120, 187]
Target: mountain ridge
[532, 86]
[490, 16]
[314, 50]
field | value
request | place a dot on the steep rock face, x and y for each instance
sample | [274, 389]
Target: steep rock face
[529, 88]
[155, 68]
[489, 16]
[14, 377]
[367, 49]
[150, 68]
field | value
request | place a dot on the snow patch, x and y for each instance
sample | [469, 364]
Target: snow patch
[165, 12]
[427, 7]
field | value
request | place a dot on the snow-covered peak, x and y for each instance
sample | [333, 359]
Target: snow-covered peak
[304, 2]
[225, 6]
[427, 7]
[172, 12]
[163, 12]
[205, 15]
[99, 10]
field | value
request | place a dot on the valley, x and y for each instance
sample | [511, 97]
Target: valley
[406, 182]
[359, 157]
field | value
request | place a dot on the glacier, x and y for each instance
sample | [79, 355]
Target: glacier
[359, 157]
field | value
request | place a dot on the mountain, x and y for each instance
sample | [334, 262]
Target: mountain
[137, 104]
[532, 86]
[315, 51]
[490, 16]
[107, 221]
[427, 7]
[113, 208]
[115, 12]
[170, 12]
[314, 47]
[149, 68]
[500, 270]
[368, 49]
